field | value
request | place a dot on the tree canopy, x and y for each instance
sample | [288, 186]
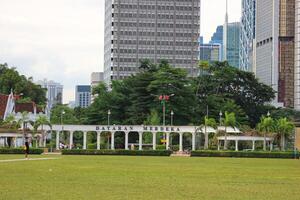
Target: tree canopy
[10, 79]
[219, 87]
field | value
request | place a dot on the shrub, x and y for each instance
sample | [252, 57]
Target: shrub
[174, 147]
[244, 154]
[116, 152]
[20, 151]
[161, 147]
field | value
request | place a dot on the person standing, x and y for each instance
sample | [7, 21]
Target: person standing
[26, 148]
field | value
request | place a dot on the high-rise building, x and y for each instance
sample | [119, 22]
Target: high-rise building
[96, 78]
[210, 52]
[286, 50]
[247, 34]
[217, 36]
[297, 57]
[83, 96]
[233, 43]
[54, 93]
[267, 33]
[275, 49]
[152, 29]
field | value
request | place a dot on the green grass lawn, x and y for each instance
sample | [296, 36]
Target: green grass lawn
[121, 177]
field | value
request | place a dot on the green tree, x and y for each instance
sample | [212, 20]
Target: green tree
[226, 82]
[42, 121]
[63, 114]
[229, 121]
[10, 79]
[208, 122]
[284, 128]
[266, 126]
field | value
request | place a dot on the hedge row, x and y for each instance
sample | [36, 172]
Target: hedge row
[245, 154]
[20, 151]
[116, 152]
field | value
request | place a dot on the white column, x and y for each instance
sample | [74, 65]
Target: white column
[98, 140]
[236, 145]
[57, 140]
[180, 141]
[84, 139]
[140, 140]
[15, 142]
[253, 145]
[112, 140]
[71, 140]
[154, 140]
[218, 145]
[271, 145]
[167, 141]
[126, 141]
[193, 141]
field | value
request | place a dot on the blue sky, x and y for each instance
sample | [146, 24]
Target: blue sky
[62, 40]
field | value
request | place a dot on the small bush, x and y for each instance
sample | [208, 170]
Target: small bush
[161, 147]
[116, 152]
[20, 151]
[243, 154]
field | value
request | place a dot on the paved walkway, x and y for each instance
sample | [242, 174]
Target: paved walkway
[24, 159]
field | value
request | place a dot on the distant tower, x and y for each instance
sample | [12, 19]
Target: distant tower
[225, 33]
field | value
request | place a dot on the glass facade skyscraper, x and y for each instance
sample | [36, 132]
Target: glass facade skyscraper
[247, 34]
[233, 43]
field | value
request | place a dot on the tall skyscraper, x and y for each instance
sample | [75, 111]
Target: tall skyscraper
[286, 50]
[54, 93]
[275, 49]
[152, 29]
[247, 34]
[297, 57]
[267, 33]
[83, 96]
[233, 43]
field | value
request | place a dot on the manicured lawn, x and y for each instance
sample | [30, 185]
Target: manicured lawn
[114, 177]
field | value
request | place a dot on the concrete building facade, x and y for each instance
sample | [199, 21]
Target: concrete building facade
[54, 93]
[150, 29]
[275, 49]
[297, 57]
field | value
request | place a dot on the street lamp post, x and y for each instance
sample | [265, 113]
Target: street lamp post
[108, 115]
[61, 123]
[220, 114]
[172, 115]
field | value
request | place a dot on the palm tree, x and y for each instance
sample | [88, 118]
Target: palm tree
[208, 122]
[23, 121]
[284, 128]
[229, 121]
[10, 120]
[40, 122]
[266, 126]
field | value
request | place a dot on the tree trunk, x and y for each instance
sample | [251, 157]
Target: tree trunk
[265, 142]
[206, 139]
[283, 142]
[225, 141]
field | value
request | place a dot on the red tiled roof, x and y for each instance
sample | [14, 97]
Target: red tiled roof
[19, 107]
[3, 102]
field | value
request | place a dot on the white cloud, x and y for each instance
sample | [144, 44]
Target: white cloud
[63, 40]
